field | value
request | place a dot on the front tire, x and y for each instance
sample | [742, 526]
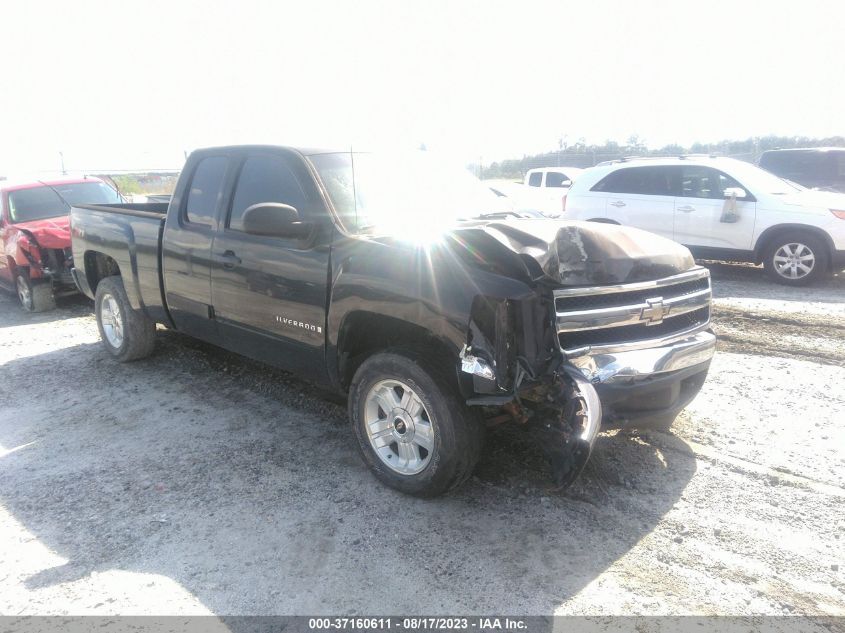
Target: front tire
[798, 259]
[414, 432]
[34, 297]
[127, 334]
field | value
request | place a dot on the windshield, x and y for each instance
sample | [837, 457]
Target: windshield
[403, 192]
[762, 181]
[38, 203]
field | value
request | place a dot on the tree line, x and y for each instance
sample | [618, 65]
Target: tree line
[580, 154]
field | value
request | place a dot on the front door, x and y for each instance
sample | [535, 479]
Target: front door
[699, 211]
[269, 293]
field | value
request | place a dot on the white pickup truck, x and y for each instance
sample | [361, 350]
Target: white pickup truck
[549, 185]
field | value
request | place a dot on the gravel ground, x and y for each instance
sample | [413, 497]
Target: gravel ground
[198, 482]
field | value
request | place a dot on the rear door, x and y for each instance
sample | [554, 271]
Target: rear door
[642, 197]
[186, 248]
[699, 208]
[270, 293]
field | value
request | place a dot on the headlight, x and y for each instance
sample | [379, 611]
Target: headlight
[838, 214]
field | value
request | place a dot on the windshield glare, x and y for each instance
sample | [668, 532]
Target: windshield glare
[38, 203]
[411, 194]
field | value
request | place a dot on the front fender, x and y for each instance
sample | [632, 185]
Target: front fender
[23, 249]
[426, 287]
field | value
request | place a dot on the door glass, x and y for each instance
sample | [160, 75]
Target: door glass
[265, 178]
[555, 179]
[705, 182]
[651, 181]
[206, 189]
[535, 179]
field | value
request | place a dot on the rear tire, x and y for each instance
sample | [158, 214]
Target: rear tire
[34, 297]
[127, 334]
[796, 259]
[414, 431]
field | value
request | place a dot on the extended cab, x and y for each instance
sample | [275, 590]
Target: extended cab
[35, 258]
[388, 279]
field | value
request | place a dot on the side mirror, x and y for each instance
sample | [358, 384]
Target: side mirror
[274, 219]
[735, 193]
[566, 183]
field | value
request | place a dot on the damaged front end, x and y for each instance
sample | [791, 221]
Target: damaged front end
[529, 357]
[562, 408]
[46, 258]
[566, 411]
[518, 375]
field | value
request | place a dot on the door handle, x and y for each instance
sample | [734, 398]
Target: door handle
[229, 259]
[617, 203]
[686, 208]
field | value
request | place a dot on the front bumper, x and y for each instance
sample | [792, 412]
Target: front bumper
[648, 385]
[605, 368]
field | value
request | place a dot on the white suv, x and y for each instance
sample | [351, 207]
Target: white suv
[720, 208]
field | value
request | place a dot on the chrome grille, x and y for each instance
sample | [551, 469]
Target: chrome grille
[633, 315]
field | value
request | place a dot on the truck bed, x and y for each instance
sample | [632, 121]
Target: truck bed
[121, 239]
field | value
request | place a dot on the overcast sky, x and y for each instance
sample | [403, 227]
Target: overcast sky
[127, 85]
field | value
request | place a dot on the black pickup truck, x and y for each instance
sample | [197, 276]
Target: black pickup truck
[411, 289]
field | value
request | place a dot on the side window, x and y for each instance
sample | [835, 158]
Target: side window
[265, 178]
[651, 181]
[705, 182]
[725, 182]
[206, 188]
[555, 179]
[535, 179]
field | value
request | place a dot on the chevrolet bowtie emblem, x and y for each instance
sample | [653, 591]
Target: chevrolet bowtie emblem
[655, 312]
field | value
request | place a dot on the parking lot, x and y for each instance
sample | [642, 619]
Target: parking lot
[200, 482]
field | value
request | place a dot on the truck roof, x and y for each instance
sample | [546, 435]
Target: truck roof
[305, 151]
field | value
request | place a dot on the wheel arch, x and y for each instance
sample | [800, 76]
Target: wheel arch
[98, 266]
[774, 232]
[363, 333]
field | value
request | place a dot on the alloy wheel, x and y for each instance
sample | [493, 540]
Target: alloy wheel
[399, 427]
[794, 260]
[112, 321]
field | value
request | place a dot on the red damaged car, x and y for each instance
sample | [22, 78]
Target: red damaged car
[35, 255]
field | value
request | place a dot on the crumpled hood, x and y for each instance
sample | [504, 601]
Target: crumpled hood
[575, 253]
[49, 233]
